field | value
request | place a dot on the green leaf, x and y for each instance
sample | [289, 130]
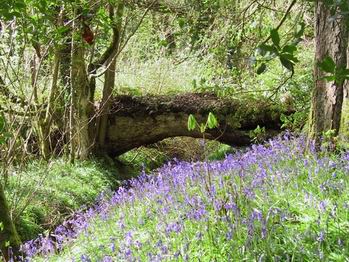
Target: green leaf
[289, 49]
[2, 123]
[327, 65]
[181, 22]
[330, 78]
[261, 69]
[275, 37]
[300, 32]
[212, 121]
[163, 43]
[289, 57]
[191, 122]
[19, 5]
[263, 49]
[287, 63]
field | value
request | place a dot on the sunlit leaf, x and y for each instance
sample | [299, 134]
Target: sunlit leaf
[212, 121]
[191, 122]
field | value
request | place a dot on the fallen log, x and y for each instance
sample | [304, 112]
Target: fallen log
[139, 121]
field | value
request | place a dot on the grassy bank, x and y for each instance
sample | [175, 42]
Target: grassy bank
[44, 194]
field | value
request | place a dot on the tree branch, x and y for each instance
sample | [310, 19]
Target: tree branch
[108, 61]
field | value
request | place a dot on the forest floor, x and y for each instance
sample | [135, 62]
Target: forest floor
[272, 201]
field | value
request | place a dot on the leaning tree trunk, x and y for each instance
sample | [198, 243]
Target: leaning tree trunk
[8, 233]
[327, 96]
[109, 76]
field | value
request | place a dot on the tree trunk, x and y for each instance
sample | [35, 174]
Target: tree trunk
[109, 77]
[8, 233]
[344, 129]
[105, 103]
[45, 123]
[327, 96]
[80, 98]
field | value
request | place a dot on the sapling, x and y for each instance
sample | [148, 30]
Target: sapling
[210, 123]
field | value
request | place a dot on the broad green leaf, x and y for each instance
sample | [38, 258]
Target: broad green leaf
[289, 49]
[261, 69]
[289, 57]
[275, 37]
[287, 63]
[212, 121]
[191, 122]
[327, 65]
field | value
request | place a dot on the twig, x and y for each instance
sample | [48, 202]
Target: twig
[281, 21]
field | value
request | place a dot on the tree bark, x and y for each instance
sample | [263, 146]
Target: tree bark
[80, 98]
[46, 123]
[344, 128]
[327, 96]
[8, 233]
[109, 77]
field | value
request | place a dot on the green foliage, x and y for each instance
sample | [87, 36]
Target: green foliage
[274, 34]
[4, 134]
[143, 158]
[261, 68]
[11, 8]
[191, 122]
[219, 152]
[294, 122]
[335, 73]
[258, 134]
[210, 123]
[286, 53]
